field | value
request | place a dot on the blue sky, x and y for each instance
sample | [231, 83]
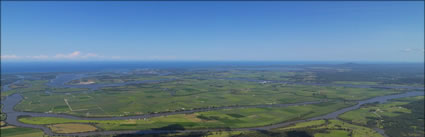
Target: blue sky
[213, 31]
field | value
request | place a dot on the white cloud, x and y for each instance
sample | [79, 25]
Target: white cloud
[73, 55]
[10, 57]
[161, 57]
[91, 55]
[38, 57]
[78, 55]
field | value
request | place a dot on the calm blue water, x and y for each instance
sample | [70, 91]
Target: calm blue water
[19, 67]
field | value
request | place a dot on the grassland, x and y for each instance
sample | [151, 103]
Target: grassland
[71, 128]
[193, 134]
[231, 118]
[3, 117]
[356, 82]
[203, 88]
[332, 128]
[333, 133]
[188, 90]
[376, 111]
[364, 114]
[177, 95]
[400, 117]
[313, 123]
[11, 131]
[318, 128]
[109, 78]
[261, 75]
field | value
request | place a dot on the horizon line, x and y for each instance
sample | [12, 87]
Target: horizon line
[77, 61]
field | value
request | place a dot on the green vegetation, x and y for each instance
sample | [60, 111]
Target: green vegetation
[8, 79]
[260, 75]
[110, 78]
[71, 128]
[319, 128]
[36, 86]
[332, 128]
[193, 134]
[230, 118]
[11, 131]
[370, 112]
[3, 117]
[356, 82]
[399, 118]
[177, 95]
[228, 86]
[189, 89]
[313, 123]
[382, 74]
[333, 133]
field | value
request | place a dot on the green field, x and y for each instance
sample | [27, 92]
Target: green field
[333, 128]
[318, 128]
[400, 117]
[231, 118]
[188, 89]
[20, 132]
[364, 114]
[177, 95]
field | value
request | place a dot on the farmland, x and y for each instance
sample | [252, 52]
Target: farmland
[399, 117]
[333, 128]
[231, 118]
[71, 128]
[11, 131]
[234, 90]
[180, 94]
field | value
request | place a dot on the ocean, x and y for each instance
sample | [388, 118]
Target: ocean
[24, 67]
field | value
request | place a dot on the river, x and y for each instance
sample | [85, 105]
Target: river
[60, 81]
[12, 115]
